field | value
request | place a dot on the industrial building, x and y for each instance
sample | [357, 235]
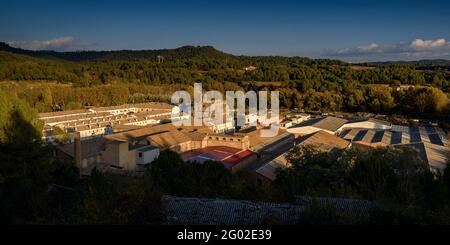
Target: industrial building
[332, 133]
[431, 142]
[134, 135]
[134, 149]
[323, 141]
[204, 211]
[95, 122]
[293, 119]
[328, 124]
[368, 123]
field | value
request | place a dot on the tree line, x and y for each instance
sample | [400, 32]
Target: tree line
[312, 85]
[191, 64]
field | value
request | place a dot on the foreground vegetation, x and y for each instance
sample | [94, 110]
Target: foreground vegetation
[400, 184]
[38, 188]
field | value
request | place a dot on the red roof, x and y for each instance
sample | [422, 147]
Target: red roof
[228, 155]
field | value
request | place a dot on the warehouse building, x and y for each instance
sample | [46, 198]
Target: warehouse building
[321, 140]
[368, 123]
[328, 124]
[431, 142]
[204, 211]
[96, 122]
[195, 143]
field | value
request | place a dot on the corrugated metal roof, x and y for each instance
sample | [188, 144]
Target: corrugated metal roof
[429, 142]
[204, 211]
[89, 148]
[330, 123]
[435, 155]
[325, 141]
[269, 170]
[374, 120]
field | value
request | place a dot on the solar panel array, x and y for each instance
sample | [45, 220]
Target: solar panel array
[431, 130]
[414, 134]
[407, 135]
[435, 139]
[360, 135]
[378, 136]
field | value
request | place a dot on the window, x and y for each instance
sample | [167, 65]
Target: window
[140, 154]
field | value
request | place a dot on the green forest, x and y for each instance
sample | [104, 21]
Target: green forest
[118, 77]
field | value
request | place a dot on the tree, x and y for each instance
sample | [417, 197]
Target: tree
[379, 99]
[18, 121]
[379, 174]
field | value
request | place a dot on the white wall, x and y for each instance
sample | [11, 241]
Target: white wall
[306, 130]
[287, 124]
[366, 124]
[224, 127]
[146, 156]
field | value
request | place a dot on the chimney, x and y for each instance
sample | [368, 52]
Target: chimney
[77, 151]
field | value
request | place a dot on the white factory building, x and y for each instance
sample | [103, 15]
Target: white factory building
[368, 123]
[328, 124]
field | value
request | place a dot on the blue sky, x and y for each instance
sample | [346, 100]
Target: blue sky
[348, 30]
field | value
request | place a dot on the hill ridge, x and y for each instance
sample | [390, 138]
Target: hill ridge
[183, 52]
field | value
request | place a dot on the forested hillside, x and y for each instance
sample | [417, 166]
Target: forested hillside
[309, 84]
[185, 52]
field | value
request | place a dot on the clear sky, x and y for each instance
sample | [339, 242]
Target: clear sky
[348, 30]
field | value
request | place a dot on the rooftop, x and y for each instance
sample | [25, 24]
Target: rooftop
[204, 211]
[397, 135]
[62, 113]
[146, 148]
[257, 142]
[327, 123]
[166, 140]
[435, 155]
[431, 143]
[151, 105]
[89, 148]
[374, 120]
[324, 141]
[269, 170]
[228, 155]
[141, 133]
